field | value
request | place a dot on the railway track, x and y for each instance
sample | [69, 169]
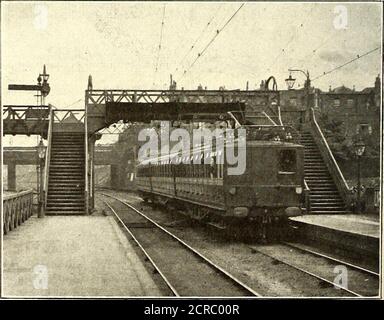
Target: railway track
[184, 270]
[360, 282]
[331, 258]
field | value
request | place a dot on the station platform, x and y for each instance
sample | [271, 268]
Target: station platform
[73, 256]
[364, 225]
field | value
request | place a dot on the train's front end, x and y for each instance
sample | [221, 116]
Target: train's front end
[271, 188]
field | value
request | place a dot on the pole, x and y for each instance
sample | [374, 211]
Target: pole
[41, 212]
[358, 186]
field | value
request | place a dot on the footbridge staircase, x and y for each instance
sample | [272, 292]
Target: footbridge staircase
[328, 190]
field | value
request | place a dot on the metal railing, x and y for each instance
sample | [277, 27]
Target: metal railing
[17, 208]
[25, 112]
[60, 115]
[97, 97]
[329, 159]
[86, 189]
[48, 157]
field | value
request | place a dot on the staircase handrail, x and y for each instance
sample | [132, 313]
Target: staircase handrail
[86, 189]
[330, 161]
[48, 156]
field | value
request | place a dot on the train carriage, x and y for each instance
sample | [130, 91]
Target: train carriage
[265, 194]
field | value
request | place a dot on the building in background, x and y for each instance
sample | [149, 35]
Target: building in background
[358, 110]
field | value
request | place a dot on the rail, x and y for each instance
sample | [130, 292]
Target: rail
[329, 160]
[238, 283]
[17, 208]
[48, 157]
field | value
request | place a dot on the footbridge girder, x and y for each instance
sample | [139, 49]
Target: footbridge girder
[174, 104]
[171, 111]
[26, 120]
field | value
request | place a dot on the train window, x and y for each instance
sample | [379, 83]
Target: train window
[287, 160]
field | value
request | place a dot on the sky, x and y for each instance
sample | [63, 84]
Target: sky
[118, 44]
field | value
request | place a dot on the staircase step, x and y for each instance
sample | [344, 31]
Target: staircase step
[329, 203]
[62, 192]
[57, 157]
[65, 197]
[54, 184]
[65, 169]
[74, 143]
[317, 176]
[315, 187]
[328, 212]
[62, 177]
[329, 208]
[66, 213]
[322, 196]
[66, 205]
[313, 156]
[313, 161]
[67, 154]
[324, 193]
[68, 144]
[68, 210]
[60, 160]
[73, 179]
[61, 164]
[317, 166]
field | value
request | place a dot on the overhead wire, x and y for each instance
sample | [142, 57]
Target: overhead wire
[345, 64]
[198, 38]
[73, 103]
[160, 42]
[219, 31]
[294, 35]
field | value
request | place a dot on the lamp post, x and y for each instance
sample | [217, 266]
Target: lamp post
[359, 150]
[41, 153]
[291, 81]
